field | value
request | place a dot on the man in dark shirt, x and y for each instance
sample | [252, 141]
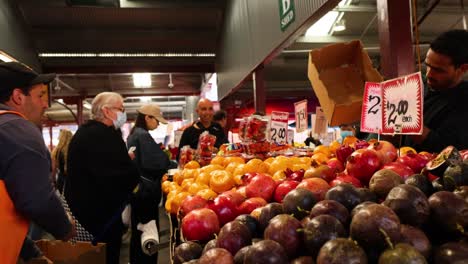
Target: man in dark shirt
[204, 123]
[445, 110]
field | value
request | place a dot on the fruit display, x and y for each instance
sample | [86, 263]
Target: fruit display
[205, 148]
[375, 204]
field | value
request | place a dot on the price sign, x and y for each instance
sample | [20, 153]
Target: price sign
[402, 105]
[279, 127]
[321, 124]
[300, 110]
[371, 113]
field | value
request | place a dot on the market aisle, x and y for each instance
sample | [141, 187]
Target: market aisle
[163, 257]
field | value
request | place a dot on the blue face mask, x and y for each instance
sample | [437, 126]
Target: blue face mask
[346, 133]
[121, 120]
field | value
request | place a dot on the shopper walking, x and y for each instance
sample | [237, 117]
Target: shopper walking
[101, 175]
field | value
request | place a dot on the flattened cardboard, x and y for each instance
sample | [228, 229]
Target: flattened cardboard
[338, 73]
[67, 253]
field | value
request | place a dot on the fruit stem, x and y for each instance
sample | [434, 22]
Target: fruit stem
[302, 210]
[387, 238]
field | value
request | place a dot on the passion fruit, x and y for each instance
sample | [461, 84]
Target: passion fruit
[402, 254]
[448, 156]
[416, 238]
[421, 182]
[341, 251]
[383, 181]
[455, 176]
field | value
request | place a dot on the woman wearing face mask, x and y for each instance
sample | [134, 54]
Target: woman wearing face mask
[152, 163]
[347, 130]
[101, 175]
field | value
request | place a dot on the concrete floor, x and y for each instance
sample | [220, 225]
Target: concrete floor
[163, 257]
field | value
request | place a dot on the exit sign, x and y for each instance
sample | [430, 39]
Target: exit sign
[287, 13]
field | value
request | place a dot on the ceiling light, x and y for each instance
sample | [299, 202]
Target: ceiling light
[124, 55]
[5, 57]
[326, 25]
[340, 25]
[142, 80]
[145, 99]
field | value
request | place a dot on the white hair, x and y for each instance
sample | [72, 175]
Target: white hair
[101, 100]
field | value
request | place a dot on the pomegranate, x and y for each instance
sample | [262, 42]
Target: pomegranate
[385, 151]
[400, 168]
[262, 186]
[191, 203]
[362, 164]
[343, 152]
[284, 188]
[296, 175]
[346, 179]
[246, 178]
[321, 171]
[413, 160]
[336, 165]
[200, 224]
[234, 196]
[250, 204]
[360, 144]
[225, 209]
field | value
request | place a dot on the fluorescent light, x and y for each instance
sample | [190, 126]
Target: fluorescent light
[87, 105]
[142, 80]
[145, 99]
[340, 25]
[124, 55]
[324, 25]
[5, 57]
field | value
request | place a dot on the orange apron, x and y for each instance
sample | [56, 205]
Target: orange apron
[13, 226]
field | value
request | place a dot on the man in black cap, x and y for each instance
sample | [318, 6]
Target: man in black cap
[26, 193]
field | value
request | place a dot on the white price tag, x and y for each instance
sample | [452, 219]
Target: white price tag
[279, 127]
[402, 105]
[300, 111]
[371, 114]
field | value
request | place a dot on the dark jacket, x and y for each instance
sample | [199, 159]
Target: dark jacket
[25, 169]
[192, 133]
[151, 161]
[446, 114]
[101, 175]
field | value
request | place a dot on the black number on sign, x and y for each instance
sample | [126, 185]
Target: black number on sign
[273, 134]
[392, 116]
[282, 133]
[375, 111]
[402, 107]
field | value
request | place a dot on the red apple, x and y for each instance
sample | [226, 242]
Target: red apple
[284, 188]
[385, 151]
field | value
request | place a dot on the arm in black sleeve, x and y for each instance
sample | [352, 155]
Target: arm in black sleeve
[152, 158]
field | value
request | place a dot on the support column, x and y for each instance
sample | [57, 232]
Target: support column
[51, 136]
[190, 106]
[396, 46]
[259, 89]
[79, 110]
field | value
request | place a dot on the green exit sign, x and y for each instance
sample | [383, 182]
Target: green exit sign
[287, 13]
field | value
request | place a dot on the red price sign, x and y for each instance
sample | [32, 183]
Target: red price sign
[371, 114]
[279, 127]
[402, 105]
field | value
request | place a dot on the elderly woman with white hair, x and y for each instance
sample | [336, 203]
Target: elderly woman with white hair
[101, 175]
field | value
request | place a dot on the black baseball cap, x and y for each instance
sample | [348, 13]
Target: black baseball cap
[17, 75]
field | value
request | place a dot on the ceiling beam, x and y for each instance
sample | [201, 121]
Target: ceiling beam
[448, 10]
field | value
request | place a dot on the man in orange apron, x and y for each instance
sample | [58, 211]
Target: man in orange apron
[26, 193]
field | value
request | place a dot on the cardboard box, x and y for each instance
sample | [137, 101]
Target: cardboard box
[338, 73]
[67, 253]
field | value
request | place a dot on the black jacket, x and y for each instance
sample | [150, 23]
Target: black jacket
[192, 133]
[446, 114]
[101, 175]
